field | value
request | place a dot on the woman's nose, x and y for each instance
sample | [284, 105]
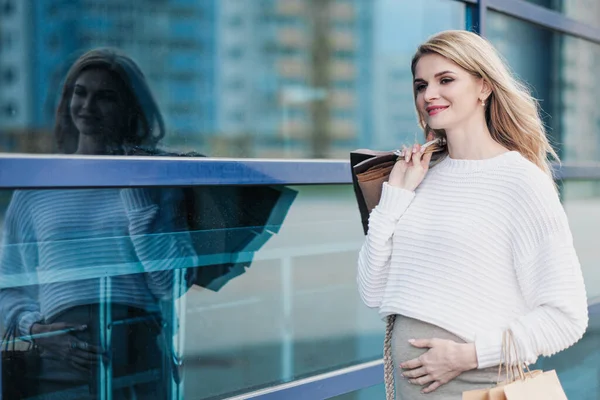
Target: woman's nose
[431, 93]
[88, 103]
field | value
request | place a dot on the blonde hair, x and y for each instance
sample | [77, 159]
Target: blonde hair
[512, 114]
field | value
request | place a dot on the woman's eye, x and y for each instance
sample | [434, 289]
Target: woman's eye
[446, 80]
[419, 88]
[107, 97]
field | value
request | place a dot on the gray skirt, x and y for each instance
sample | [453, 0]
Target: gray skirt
[408, 328]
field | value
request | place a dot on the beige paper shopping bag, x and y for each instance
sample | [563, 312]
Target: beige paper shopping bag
[545, 386]
[480, 394]
[497, 392]
[517, 380]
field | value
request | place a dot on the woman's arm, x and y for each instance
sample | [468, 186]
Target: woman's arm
[375, 255]
[552, 284]
[159, 234]
[550, 280]
[19, 257]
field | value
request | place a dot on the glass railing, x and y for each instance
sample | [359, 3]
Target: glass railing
[193, 293]
[208, 291]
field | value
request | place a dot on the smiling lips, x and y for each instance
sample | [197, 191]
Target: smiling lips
[432, 110]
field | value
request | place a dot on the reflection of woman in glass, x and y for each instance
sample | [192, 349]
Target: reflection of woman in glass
[106, 107]
[70, 238]
[479, 244]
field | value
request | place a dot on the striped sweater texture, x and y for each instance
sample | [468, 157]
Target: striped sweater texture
[480, 247]
[54, 235]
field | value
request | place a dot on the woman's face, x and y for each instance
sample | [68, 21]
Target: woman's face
[447, 96]
[97, 105]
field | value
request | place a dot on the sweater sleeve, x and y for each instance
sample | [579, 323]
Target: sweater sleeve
[158, 232]
[375, 255]
[551, 282]
[19, 255]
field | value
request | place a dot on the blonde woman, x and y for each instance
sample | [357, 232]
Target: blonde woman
[473, 242]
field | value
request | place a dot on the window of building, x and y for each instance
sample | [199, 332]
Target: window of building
[53, 41]
[9, 110]
[53, 10]
[235, 84]
[236, 21]
[344, 54]
[8, 40]
[9, 75]
[237, 116]
[235, 53]
[8, 8]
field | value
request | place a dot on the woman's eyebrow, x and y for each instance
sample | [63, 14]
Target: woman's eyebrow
[435, 76]
[103, 91]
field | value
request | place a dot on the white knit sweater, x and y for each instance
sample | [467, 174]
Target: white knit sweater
[480, 247]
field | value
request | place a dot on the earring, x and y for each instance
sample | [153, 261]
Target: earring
[482, 103]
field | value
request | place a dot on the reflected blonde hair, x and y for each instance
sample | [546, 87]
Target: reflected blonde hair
[511, 112]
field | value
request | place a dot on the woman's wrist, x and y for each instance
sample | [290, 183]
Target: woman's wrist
[401, 186]
[469, 356]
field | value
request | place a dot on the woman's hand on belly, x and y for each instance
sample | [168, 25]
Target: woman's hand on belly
[444, 361]
[61, 345]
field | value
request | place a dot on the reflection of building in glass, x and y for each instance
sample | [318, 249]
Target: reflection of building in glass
[234, 78]
[15, 90]
[561, 72]
[173, 42]
[399, 28]
[580, 114]
[294, 75]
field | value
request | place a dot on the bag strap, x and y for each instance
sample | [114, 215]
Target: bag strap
[511, 360]
[388, 362]
[10, 335]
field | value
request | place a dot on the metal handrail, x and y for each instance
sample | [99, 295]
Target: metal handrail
[55, 171]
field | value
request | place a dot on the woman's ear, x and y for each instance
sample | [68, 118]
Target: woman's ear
[486, 90]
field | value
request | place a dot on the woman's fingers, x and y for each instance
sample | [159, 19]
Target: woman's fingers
[417, 154]
[66, 326]
[412, 364]
[424, 380]
[90, 348]
[80, 361]
[432, 387]
[415, 373]
[89, 357]
[425, 160]
[89, 353]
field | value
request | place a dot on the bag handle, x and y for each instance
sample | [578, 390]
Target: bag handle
[388, 363]
[513, 366]
[9, 335]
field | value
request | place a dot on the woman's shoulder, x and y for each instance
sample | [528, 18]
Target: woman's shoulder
[23, 199]
[534, 195]
[527, 178]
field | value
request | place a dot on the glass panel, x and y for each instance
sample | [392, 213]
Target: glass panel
[578, 367]
[561, 70]
[532, 60]
[399, 29]
[373, 392]
[587, 11]
[161, 277]
[582, 204]
[256, 78]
